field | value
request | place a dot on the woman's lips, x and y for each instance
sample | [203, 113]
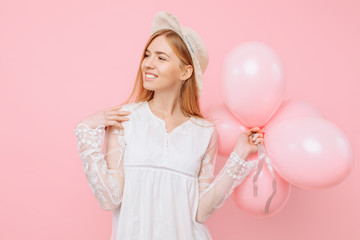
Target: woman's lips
[151, 77]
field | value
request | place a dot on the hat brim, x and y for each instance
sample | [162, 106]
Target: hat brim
[166, 20]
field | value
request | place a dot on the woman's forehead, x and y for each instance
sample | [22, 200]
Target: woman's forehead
[160, 45]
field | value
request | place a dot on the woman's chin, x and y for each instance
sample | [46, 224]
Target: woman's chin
[147, 87]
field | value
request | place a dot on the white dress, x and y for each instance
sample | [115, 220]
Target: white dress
[158, 185]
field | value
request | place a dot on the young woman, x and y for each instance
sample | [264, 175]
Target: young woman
[157, 174]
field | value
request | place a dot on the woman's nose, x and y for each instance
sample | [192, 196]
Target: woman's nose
[148, 62]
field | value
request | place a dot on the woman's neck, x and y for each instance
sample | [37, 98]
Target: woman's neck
[163, 104]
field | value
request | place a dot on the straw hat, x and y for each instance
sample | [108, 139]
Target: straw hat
[195, 45]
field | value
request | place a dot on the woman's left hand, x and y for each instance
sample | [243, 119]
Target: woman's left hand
[250, 142]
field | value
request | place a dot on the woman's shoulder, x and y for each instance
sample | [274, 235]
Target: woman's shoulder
[202, 122]
[132, 106]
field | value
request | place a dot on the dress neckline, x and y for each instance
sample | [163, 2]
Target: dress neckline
[163, 121]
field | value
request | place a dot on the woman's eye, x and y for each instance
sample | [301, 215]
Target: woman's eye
[146, 55]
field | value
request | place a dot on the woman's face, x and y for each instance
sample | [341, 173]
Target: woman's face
[161, 67]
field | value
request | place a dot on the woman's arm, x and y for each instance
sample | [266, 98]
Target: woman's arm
[105, 174]
[215, 190]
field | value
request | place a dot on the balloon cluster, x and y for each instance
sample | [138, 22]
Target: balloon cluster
[301, 148]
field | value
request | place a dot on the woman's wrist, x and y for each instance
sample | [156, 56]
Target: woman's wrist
[243, 153]
[88, 123]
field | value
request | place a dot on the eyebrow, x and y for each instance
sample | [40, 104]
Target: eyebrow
[158, 52]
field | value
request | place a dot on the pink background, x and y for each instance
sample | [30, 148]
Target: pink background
[63, 60]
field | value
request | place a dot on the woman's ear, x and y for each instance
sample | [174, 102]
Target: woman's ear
[186, 72]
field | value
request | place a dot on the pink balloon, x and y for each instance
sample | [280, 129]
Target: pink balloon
[228, 127]
[309, 152]
[253, 83]
[294, 108]
[255, 205]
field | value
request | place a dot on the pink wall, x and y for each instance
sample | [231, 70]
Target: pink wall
[63, 60]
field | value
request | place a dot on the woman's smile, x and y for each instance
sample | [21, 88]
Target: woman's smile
[150, 76]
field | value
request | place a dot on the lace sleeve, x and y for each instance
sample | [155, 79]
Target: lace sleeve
[105, 174]
[214, 191]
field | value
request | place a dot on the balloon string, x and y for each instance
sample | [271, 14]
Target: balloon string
[262, 157]
[259, 168]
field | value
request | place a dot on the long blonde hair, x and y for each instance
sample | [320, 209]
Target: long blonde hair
[188, 97]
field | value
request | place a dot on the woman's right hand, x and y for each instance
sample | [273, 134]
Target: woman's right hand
[248, 141]
[108, 117]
